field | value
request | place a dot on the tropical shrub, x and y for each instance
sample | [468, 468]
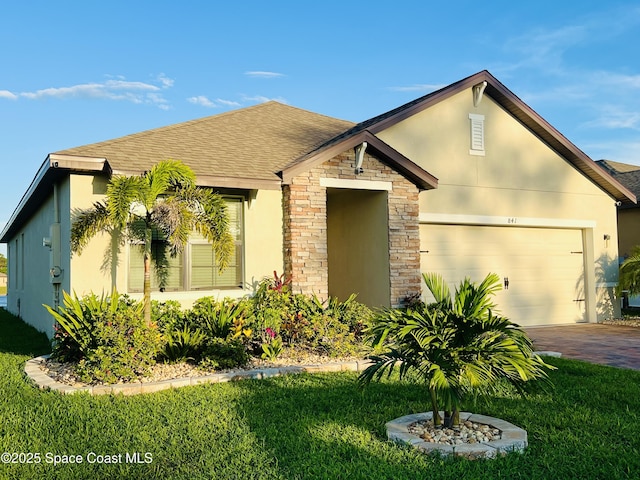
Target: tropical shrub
[218, 319]
[224, 354]
[457, 346]
[75, 320]
[213, 334]
[182, 345]
[168, 315]
[125, 347]
[630, 273]
[272, 350]
[105, 335]
[306, 324]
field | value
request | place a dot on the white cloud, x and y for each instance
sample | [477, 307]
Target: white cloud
[615, 117]
[262, 74]
[8, 94]
[619, 151]
[165, 81]
[227, 103]
[617, 80]
[262, 99]
[116, 88]
[202, 101]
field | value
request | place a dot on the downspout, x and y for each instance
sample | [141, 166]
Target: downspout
[56, 249]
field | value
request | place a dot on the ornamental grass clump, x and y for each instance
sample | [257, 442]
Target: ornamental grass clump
[458, 346]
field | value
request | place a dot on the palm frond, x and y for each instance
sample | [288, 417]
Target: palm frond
[438, 287]
[175, 220]
[122, 192]
[211, 220]
[169, 175]
[630, 273]
[87, 224]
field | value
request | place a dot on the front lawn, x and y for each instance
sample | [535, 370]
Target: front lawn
[303, 427]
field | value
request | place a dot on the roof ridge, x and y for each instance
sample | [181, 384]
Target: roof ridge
[173, 126]
[188, 123]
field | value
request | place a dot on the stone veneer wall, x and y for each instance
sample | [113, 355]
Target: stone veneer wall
[305, 226]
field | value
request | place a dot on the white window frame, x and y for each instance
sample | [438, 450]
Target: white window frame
[187, 263]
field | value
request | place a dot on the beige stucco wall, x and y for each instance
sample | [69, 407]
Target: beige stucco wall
[628, 230]
[93, 271]
[519, 177]
[263, 236]
[358, 245]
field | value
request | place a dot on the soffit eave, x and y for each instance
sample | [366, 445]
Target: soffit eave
[54, 168]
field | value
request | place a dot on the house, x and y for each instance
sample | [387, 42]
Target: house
[3, 279]
[464, 181]
[628, 213]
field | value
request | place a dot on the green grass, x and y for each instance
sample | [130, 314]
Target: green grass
[307, 427]
[3, 289]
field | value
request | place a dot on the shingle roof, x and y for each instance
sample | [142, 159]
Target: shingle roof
[617, 167]
[625, 173]
[251, 143]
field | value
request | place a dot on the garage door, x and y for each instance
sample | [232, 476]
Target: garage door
[543, 268]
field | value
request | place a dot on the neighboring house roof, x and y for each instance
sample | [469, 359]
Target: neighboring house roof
[627, 174]
[617, 167]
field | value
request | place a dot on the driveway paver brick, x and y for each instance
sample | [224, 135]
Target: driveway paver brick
[614, 345]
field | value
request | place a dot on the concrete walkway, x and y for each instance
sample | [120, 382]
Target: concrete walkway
[613, 345]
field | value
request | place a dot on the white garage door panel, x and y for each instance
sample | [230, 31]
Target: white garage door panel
[544, 267]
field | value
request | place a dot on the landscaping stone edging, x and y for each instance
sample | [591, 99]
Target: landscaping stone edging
[514, 439]
[44, 381]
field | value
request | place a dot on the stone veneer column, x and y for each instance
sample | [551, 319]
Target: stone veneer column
[305, 236]
[305, 226]
[404, 241]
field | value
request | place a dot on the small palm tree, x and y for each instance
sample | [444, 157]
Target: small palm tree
[457, 345]
[630, 273]
[164, 199]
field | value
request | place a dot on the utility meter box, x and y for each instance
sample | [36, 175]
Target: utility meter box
[55, 270]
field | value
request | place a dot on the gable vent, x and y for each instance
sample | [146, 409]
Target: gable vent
[477, 134]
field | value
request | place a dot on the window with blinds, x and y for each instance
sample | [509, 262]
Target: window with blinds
[196, 267]
[477, 134]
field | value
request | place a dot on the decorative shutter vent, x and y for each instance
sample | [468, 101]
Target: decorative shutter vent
[477, 134]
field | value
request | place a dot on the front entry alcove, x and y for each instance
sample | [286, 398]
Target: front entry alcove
[358, 245]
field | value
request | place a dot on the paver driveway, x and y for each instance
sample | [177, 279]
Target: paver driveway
[614, 345]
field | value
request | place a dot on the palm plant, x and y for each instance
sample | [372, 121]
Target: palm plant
[630, 273]
[457, 346]
[164, 199]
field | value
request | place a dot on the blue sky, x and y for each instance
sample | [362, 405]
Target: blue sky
[78, 72]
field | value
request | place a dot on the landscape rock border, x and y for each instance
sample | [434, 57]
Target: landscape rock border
[514, 439]
[44, 381]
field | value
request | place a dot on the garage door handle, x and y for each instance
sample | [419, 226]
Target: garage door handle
[579, 300]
